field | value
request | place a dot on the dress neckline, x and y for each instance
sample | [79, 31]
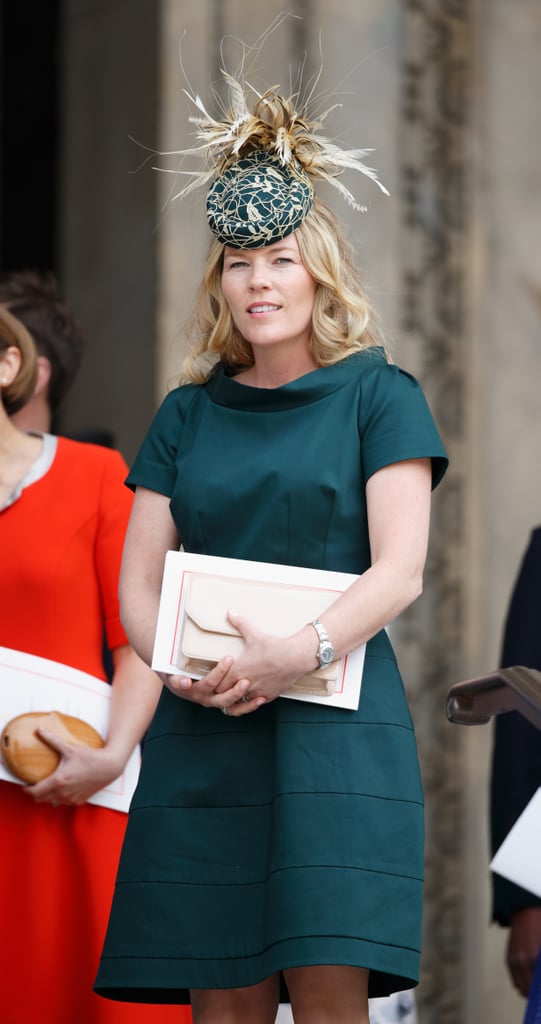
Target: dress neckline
[39, 467]
[225, 390]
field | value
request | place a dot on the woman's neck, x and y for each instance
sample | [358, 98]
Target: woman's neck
[274, 369]
[18, 452]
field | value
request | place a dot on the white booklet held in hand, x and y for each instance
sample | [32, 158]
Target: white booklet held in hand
[519, 857]
[193, 631]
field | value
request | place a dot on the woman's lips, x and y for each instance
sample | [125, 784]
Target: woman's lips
[263, 307]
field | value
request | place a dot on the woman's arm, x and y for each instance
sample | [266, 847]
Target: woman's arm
[398, 503]
[82, 771]
[135, 693]
[151, 533]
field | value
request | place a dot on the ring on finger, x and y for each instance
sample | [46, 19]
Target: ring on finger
[225, 711]
[244, 699]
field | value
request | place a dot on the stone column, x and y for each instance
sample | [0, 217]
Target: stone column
[508, 325]
[470, 165]
[435, 634]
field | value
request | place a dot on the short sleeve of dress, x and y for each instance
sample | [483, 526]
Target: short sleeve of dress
[395, 421]
[154, 465]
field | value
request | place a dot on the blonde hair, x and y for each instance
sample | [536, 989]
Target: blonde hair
[343, 320]
[21, 389]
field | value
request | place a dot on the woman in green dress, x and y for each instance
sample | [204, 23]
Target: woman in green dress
[272, 839]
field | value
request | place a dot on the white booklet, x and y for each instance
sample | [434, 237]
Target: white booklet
[519, 857]
[29, 683]
[182, 567]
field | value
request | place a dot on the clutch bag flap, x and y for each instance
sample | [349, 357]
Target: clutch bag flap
[280, 609]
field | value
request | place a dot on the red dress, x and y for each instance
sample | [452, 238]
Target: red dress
[60, 549]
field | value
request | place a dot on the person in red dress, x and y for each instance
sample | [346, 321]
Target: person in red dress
[63, 514]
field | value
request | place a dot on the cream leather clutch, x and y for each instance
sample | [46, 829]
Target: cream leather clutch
[279, 609]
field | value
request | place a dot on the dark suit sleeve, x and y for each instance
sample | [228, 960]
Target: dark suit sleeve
[516, 756]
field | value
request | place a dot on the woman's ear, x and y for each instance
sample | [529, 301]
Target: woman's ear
[10, 364]
[44, 375]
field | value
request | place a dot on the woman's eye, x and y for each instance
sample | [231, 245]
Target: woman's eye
[284, 259]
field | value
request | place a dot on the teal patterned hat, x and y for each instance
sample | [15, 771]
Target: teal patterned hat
[258, 201]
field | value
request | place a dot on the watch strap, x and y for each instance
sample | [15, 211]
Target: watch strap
[321, 631]
[325, 654]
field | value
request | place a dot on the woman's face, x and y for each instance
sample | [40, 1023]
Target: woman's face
[270, 294]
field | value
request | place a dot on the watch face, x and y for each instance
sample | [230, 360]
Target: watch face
[326, 654]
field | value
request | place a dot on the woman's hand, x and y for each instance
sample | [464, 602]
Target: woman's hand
[270, 664]
[523, 946]
[267, 666]
[82, 771]
[213, 692]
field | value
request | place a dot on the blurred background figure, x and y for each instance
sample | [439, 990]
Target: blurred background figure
[396, 1009]
[35, 299]
[63, 514]
[516, 770]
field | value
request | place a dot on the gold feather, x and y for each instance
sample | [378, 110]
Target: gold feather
[273, 125]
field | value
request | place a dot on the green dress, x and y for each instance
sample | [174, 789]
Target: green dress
[294, 835]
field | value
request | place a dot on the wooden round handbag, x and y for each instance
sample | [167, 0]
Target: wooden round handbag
[29, 757]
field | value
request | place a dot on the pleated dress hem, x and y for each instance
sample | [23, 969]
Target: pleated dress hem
[166, 980]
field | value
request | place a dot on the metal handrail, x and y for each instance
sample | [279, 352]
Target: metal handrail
[476, 701]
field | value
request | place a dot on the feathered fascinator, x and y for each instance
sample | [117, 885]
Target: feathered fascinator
[262, 163]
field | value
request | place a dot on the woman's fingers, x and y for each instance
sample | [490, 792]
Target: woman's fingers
[215, 691]
[234, 700]
[237, 702]
[197, 689]
[212, 690]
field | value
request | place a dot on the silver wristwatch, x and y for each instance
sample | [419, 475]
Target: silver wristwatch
[325, 653]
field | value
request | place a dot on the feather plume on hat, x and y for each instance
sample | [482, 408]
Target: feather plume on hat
[273, 126]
